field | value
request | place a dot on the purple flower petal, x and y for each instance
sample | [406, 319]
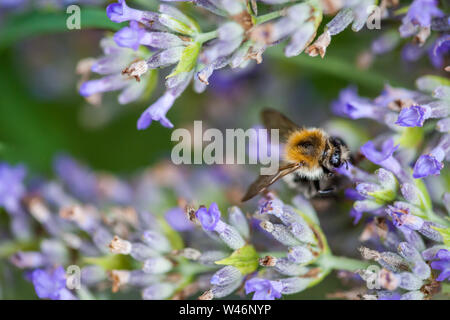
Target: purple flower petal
[427, 165]
[208, 218]
[264, 289]
[130, 37]
[177, 219]
[376, 156]
[413, 116]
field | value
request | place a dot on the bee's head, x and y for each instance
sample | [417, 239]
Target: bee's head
[338, 152]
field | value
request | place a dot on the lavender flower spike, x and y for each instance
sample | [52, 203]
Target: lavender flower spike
[432, 163]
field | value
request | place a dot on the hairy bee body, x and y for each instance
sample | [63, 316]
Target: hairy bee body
[310, 157]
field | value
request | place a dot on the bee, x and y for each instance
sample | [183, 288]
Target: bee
[309, 160]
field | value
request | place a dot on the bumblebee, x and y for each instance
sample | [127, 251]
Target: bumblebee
[310, 157]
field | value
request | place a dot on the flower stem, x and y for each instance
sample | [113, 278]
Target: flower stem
[268, 16]
[203, 37]
[328, 261]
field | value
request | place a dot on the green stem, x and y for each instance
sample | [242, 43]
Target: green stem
[328, 261]
[203, 37]
[268, 16]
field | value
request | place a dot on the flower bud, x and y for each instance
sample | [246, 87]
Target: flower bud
[156, 241]
[409, 281]
[238, 220]
[340, 21]
[413, 295]
[294, 285]
[158, 291]
[281, 233]
[288, 268]
[142, 252]
[428, 231]
[443, 125]
[430, 253]
[229, 235]
[226, 275]
[157, 265]
[300, 254]
[165, 57]
[225, 290]
[412, 194]
[210, 257]
[302, 232]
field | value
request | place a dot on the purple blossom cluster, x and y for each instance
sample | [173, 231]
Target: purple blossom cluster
[406, 227]
[164, 254]
[168, 37]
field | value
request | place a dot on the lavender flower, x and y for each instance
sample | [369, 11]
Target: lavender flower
[442, 263]
[12, 187]
[439, 50]
[420, 13]
[353, 106]
[115, 60]
[412, 117]
[51, 284]
[264, 289]
[432, 163]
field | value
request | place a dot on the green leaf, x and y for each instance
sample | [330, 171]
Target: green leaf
[188, 59]
[19, 27]
[245, 259]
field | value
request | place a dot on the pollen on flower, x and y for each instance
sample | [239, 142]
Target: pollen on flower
[268, 261]
[244, 19]
[267, 225]
[120, 246]
[118, 278]
[388, 280]
[320, 45]
[262, 33]
[136, 69]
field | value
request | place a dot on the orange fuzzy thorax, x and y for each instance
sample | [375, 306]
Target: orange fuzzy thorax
[310, 157]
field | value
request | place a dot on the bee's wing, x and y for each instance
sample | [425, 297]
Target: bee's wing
[273, 119]
[264, 181]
